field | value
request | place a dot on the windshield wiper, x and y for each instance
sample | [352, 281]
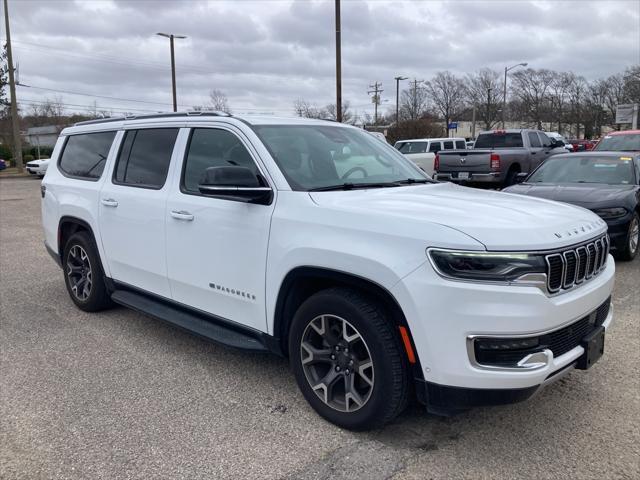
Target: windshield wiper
[410, 181]
[352, 186]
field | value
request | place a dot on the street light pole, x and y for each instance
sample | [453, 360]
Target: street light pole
[15, 121]
[338, 66]
[171, 36]
[504, 91]
[397, 79]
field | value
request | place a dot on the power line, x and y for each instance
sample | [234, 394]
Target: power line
[31, 101]
[376, 99]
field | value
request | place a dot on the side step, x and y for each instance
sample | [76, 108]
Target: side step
[191, 322]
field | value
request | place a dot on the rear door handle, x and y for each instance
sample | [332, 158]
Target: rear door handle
[109, 202]
[182, 215]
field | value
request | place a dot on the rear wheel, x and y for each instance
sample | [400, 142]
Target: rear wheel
[511, 177]
[348, 359]
[632, 241]
[83, 273]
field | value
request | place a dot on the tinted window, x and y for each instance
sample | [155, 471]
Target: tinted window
[546, 141]
[579, 169]
[326, 156]
[413, 147]
[534, 140]
[84, 155]
[211, 147]
[461, 145]
[145, 156]
[499, 140]
[435, 147]
[448, 145]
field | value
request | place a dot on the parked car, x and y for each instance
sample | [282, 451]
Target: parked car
[315, 241]
[582, 145]
[623, 141]
[497, 158]
[606, 183]
[379, 135]
[560, 140]
[423, 151]
[3, 164]
[38, 167]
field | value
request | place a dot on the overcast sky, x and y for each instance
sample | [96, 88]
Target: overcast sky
[264, 54]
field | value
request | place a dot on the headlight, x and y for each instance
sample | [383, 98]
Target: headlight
[607, 213]
[487, 266]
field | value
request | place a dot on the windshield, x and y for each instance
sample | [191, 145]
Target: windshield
[412, 147]
[499, 140]
[580, 169]
[620, 143]
[317, 156]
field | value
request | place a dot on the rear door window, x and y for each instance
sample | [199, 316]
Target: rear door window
[546, 141]
[435, 147]
[448, 145]
[461, 145]
[534, 140]
[144, 157]
[85, 155]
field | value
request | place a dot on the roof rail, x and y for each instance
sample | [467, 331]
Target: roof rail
[155, 115]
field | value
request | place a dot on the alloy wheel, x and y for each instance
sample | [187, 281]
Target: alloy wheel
[79, 272]
[634, 233]
[337, 363]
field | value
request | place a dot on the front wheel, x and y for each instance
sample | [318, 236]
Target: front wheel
[348, 360]
[632, 240]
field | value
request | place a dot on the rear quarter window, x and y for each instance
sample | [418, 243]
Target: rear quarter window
[84, 155]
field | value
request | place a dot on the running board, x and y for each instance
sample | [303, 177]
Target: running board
[192, 322]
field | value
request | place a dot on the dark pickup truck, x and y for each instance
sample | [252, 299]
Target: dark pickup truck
[497, 157]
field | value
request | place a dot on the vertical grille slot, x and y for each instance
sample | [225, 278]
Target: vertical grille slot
[596, 266]
[591, 250]
[555, 273]
[570, 261]
[582, 264]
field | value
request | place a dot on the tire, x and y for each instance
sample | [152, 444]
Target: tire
[511, 177]
[83, 274]
[632, 240]
[379, 377]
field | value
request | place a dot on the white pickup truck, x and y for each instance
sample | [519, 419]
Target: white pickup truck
[423, 151]
[315, 241]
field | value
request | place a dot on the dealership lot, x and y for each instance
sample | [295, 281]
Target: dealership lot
[118, 394]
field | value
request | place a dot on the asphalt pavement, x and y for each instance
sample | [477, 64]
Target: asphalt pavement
[120, 395]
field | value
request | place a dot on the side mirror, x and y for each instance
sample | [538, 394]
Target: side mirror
[555, 143]
[239, 184]
[521, 177]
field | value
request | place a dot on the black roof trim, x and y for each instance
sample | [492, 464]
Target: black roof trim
[154, 115]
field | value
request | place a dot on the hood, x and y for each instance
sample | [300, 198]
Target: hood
[584, 195]
[500, 221]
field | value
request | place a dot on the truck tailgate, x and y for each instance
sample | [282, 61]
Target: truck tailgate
[465, 161]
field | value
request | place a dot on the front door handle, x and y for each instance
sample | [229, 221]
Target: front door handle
[109, 202]
[182, 215]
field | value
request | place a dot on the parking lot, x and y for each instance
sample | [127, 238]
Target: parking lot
[120, 395]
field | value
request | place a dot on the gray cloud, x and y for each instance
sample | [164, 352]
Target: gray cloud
[265, 54]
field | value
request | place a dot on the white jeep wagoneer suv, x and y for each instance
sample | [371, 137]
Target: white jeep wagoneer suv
[318, 242]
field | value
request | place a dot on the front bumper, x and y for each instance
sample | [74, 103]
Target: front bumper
[618, 228]
[443, 315]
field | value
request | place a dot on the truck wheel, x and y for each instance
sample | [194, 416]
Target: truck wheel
[632, 240]
[348, 360]
[511, 177]
[83, 274]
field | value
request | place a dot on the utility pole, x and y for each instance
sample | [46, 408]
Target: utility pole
[488, 124]
[338, 66]
[15, 121]
[171, 36]
[415, 97]
[376, 99]
[473, 123]
[397, 79]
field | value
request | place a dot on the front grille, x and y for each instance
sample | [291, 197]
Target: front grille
[574, 265]
[32, 165]
[559, 342]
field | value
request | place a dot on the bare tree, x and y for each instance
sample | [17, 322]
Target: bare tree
[331, 112]
[447, 93]
[483, 90]
[413, 102]
[531, 88]
[631, 86]
[303, 108]
[557, 99]
[218, 101]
